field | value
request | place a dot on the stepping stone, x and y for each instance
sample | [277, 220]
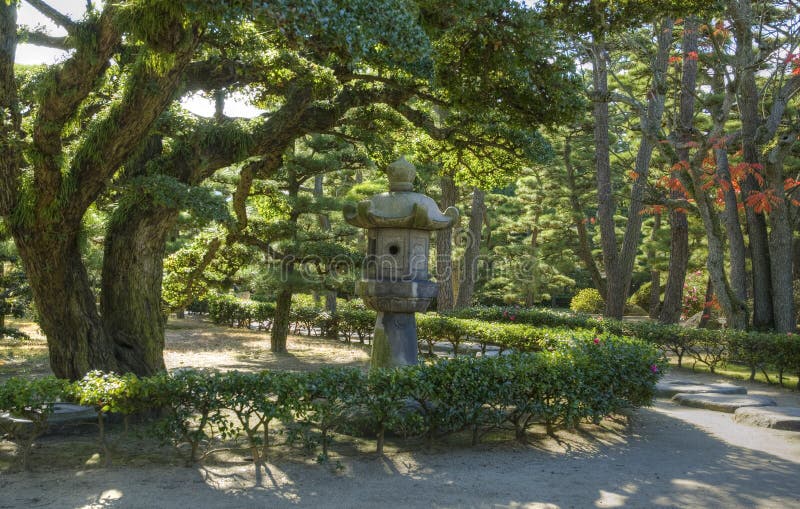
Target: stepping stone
[63, 413]
[778, 417]
[721, 402]
[669, 389]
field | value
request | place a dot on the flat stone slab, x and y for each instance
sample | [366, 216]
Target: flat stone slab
[777, 417]
[721, 402]
[669, 389]
[63, 413]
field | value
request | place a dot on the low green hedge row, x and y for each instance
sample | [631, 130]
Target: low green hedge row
[12, 333]
[349, 321]
[757, 350]
[527, 329]
[507, 336]
[578, 380]
[233, 312]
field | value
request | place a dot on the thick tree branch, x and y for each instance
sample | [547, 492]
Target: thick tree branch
[62, 96]
[789, 89]
[39, 38]
[216, 74]
[114, 139]
[55, 16]
[424, 122]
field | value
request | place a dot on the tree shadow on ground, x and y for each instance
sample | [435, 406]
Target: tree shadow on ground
[659, 461]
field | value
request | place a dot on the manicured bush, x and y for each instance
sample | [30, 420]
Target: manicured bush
[232, 312]
[583, 377]
[587, 300]
[641, 297]
[356, 321]
[306, 316]
[32, 400]
[713, 348]
[12, 333]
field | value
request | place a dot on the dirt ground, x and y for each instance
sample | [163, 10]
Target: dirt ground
[663, 456]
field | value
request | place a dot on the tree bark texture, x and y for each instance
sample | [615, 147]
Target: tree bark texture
[733, 230]
[469, 273]
[655, 274]
[2, 293]
[747, 101]
[131, 287]
[9, 109]
[709, 296]
[615, 288]
[280, 325]
[444, 249]
[733, 309]
[584, 249]
[780, 241]
[619, 264]
[679, 240]
[76, 338]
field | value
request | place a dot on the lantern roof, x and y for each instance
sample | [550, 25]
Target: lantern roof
[400, 207]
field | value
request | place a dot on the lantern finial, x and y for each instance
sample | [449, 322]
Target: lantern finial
[401, 175]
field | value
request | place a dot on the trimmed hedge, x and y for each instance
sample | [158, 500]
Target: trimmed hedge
[350, 321]
[587, 300]
[531, 329]
[233, 312]
[713, 348]
[12, 333]
[580, 379]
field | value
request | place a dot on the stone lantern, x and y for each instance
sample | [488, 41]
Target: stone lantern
[395, 277]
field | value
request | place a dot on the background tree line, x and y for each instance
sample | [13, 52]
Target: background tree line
[644, 143]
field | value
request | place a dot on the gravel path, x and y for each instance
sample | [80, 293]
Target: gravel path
[668, 456]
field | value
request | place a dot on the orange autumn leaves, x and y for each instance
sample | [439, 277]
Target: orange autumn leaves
[762, 200]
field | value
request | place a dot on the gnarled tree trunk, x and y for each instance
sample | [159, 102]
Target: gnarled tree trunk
[76, 338]
[131, 287]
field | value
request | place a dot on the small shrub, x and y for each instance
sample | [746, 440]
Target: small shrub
[12, 333]
[641, 297]
[587, 300]
[32, 400]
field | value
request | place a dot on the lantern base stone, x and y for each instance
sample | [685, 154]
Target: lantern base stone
[395, 340]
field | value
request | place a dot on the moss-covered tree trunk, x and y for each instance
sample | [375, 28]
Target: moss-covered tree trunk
[131, 287]
[76, 338]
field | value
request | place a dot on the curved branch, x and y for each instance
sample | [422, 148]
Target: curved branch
[424, 122]
[127, 121]
[67, 88]
[40, 38]
[55, 16]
